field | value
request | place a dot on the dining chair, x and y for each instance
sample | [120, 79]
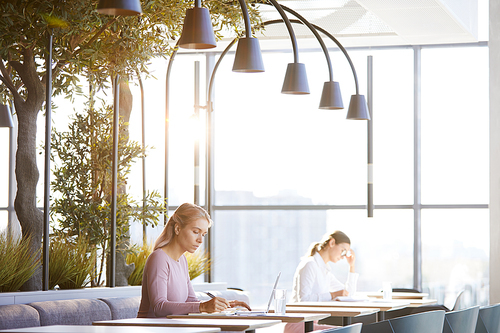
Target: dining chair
[461, 321]
[488, 320]
[354, 328]
[380, 327]
[459, 301]
[428, 322]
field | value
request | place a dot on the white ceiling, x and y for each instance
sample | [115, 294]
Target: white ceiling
[375, 22]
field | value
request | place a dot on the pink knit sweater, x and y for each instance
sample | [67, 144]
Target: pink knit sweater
[166, 288]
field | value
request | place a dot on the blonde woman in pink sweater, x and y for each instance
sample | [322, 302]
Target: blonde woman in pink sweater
[166, 287]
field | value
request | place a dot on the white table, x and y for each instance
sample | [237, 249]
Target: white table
[111, 329]
[224, 324]
[382, 306]
[396, 295]
[307, 318]
[345, 313]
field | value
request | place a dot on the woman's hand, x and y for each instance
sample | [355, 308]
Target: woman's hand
[234, 304]
[351, 260]
[216, 304]
[335, 294]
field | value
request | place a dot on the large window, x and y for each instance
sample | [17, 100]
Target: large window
[274, 149]
[456, 254]
[455, 125]
[285, 172]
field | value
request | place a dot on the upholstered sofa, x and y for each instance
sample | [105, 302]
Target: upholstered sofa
[84, 311]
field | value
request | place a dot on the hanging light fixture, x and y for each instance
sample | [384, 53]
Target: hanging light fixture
[331, 97]
[119, 7]
[198, 32]
[295, 79]
[5, 116]
[358, 109]
[248, 57]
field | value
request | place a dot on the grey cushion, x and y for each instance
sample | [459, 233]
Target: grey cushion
[18, 316]
[72, 312]
[123, 307]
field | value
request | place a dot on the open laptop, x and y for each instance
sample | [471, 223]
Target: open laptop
[260, 313]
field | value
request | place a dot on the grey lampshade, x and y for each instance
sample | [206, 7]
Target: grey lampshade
[198, 32]
[331, 98]
[295, 79]
[119, 7]
[5, 116]
[358, 109]
[248, 57]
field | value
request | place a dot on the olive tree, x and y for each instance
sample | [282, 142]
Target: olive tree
[85, 43]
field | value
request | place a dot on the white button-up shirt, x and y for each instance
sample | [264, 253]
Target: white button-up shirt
[313, 281]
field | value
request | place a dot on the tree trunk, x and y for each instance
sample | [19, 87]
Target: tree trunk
[122, 270]
[30, 217]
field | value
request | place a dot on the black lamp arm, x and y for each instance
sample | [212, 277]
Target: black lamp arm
[289, 28]
[320, 40]
[212, 77]
[246, 17]
[329, 35]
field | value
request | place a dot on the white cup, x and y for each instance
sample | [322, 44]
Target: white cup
[387, 288]
[280, 301]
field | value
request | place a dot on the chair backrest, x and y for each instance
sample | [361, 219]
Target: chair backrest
[462, 321]
[72, 311]
[18, 316]
[428, 322]
[123, 307]
[488, 320]
[458, 301]
[405, 290]
[354, 328]
[380, 327]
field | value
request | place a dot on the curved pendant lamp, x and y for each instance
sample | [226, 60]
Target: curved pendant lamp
[358, 109]
[331, 97]
[248, 57]
[296, 77]
[295, 80]
[5, 116]
[198, 32]
[119, 7]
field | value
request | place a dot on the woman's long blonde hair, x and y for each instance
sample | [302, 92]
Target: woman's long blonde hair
[339, 237]
[183, 215]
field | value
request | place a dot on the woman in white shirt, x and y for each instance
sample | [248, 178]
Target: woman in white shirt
[313, 280]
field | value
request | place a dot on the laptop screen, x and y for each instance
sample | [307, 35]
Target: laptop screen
[272, 292]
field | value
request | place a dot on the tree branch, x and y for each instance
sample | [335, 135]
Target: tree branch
[60, 64]
[5, 78]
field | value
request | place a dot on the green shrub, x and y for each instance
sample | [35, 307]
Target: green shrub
[17, 265]
[198, 263]
[82, 184]
[138, 256]
[72, 264]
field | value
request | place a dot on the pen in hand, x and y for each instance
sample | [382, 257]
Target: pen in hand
[220, 304]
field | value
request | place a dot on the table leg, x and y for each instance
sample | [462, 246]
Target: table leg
[250, 331]
[308, 326]
[346, 321]
[381, 315]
